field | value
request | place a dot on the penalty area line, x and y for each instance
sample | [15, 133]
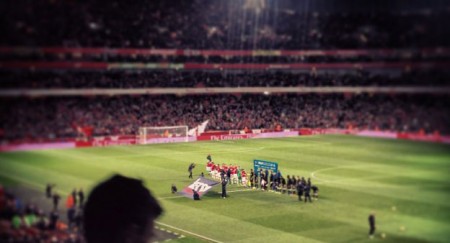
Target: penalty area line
[188, 232]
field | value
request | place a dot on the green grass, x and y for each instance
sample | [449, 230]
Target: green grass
[355, 176]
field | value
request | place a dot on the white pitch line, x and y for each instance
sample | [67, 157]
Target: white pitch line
[345, 181]
[189, 232]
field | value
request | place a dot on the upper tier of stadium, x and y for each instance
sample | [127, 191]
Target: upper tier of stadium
[236, 25]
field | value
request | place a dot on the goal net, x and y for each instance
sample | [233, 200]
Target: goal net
[170, 134]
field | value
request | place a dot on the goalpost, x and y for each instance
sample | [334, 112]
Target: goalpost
[166, 134]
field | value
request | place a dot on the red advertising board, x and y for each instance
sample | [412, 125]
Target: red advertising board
[219, 137]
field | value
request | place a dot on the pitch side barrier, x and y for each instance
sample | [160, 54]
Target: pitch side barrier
[219, 136]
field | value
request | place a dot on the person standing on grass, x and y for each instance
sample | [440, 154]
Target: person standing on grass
[315, 190]
[371, 225]
[308, 193]
[299, 190]
[224, 189]
[252, 178]
[239, 175]
[191, 167]
[208, 157]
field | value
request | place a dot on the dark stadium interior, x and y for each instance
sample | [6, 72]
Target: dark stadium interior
[118, 65]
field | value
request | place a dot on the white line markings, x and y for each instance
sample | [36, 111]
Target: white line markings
[189, 232]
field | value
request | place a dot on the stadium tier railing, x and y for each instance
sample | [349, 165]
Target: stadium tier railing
[224, 53]
[89, 65]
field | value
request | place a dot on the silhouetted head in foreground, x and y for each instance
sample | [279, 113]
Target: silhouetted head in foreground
[120, 209]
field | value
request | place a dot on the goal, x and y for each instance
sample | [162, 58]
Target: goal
[170, 134]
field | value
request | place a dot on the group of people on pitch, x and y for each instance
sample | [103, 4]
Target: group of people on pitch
[263, 179]
[291, 185]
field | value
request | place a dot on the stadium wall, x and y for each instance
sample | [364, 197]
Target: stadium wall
[219, 136]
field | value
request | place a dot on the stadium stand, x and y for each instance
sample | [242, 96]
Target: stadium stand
[219, 25]
[52, 118]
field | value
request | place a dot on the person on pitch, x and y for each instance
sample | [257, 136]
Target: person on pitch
[173, 189]
[195, 195]
[224, 188]
[191, 167]
[372, 225]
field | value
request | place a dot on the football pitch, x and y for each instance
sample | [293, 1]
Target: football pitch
[406, 183]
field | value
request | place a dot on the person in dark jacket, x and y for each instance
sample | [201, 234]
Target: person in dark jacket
[173, 189]
[190, 168]
[372, 225]
[315, 190]
[195, 195]
[307, 191]
[299, 190]
[224, 189]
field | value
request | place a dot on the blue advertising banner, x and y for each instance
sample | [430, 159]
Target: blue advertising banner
[201, 185]
[263, 164]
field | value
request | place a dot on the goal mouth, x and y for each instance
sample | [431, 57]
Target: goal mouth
[164, 134]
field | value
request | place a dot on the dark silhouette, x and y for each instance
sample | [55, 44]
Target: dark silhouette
[224, 189]
[56, 199]
[191, 167]
[120, 209]
[81, 197]
[71, 216]
[195, 195]
[174, 188]
[74, 196]
[48, 190]
[372, 224]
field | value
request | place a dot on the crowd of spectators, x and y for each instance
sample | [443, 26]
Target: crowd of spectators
[51, 118]
[194, 79]
[26, 222]
[203, 24]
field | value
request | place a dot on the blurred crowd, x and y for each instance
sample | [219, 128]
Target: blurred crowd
[28, 222]
[193, 79]
[202, 24]
[49, 118]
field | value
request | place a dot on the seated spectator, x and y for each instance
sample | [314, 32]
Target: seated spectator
[120, 209]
